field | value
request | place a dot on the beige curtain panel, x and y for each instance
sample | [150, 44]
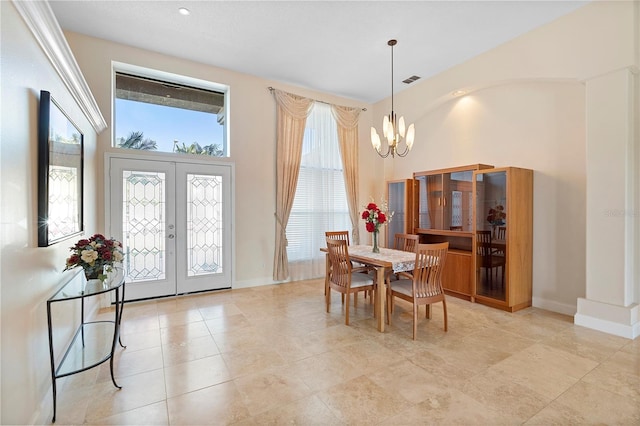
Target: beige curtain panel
[291, 115]
[347, 119]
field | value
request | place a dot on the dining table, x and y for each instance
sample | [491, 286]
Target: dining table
[385, 261]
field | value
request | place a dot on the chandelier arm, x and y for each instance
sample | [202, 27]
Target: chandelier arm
[405, 152]
[384, 155]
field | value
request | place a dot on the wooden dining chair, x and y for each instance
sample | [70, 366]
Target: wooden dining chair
[342, 277]
[343, 235]
[424, 285]
[487, 256]
[404, 242]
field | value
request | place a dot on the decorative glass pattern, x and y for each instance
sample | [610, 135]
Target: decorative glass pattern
[456, 208]
[63, 201]
[143, 225]
[204, 224]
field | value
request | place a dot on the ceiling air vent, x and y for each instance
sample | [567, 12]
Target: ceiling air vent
[411, 79]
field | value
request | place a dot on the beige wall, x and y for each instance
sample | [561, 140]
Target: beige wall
[526, 108]
[30, 275]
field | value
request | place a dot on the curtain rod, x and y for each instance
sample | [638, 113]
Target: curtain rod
[271, 89]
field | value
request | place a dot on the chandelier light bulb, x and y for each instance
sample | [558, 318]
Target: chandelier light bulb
[392, 130]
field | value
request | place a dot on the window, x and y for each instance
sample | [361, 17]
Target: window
[320, 203]
[167, 114]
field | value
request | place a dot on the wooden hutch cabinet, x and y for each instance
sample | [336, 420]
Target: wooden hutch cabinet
[401, 196]
[444, 212]
[503, 243]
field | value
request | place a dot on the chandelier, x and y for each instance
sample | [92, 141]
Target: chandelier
[392, 129]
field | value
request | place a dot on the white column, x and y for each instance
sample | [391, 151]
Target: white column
[613, 195]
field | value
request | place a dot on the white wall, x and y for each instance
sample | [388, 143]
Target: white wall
[30, 275]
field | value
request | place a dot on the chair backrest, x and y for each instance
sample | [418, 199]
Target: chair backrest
[338, 235]
[427, 273]
[483, 243]
[340, 271]
[502, 232]
[406, 242]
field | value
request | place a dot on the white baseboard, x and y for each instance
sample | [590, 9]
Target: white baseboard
[610, 327]
[553, 306]
[257, 282]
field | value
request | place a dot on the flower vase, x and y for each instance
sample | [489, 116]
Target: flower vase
[375, 242]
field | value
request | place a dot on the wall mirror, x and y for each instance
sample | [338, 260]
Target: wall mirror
[60, 173]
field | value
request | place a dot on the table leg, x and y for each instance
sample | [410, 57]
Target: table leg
[381, 296]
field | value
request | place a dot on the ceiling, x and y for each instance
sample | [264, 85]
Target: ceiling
[337, 47]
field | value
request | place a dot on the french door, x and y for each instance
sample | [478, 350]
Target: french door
[174, 221]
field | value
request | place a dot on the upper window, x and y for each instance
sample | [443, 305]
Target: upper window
[169, 116]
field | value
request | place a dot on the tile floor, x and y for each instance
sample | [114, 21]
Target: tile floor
[272, 355]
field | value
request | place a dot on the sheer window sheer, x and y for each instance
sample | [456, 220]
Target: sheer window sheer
[320, 203]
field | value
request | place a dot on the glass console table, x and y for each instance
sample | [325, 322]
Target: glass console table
[95, 341]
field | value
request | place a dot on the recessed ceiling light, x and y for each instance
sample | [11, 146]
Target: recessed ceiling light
[459, 93]
[184, 11]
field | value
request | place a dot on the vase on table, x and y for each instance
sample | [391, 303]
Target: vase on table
[94, 283]
[375, 242]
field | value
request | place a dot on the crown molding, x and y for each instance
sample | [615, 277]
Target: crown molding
[43, 24]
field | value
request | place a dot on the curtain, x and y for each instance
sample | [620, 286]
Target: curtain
[347, 119]
[320, 203]
[291, 117]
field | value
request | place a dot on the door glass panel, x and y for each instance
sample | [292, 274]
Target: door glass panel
[143, 224]
[491, 208]
[204, 224]
[396, 205]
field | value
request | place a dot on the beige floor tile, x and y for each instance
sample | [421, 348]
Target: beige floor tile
[586, 343]
[215, 405]
[505, 396]
[327, 369]
[152, 414]
[240, 340]
[271, 388]
[273, 355]
[194, 375]
[362, 401]
[407, 380]
[217, 310]
[138, 324]
[309, 411]
[448, 407]
[183, 333]
[197, 348]
[619, 374]
[252, 360]
[137, 391]
[556, 414]
[227, 323]
[141, 340]
[600, 406]
[130, 363]
[172, 319]
[545, 370]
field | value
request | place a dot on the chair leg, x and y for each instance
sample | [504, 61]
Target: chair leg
[415, 320]
[346, 317]
[355, 299]
[444, 309]
[427, 313]
[327, 298]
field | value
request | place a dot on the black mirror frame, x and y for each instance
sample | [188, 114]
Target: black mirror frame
[47, 103]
